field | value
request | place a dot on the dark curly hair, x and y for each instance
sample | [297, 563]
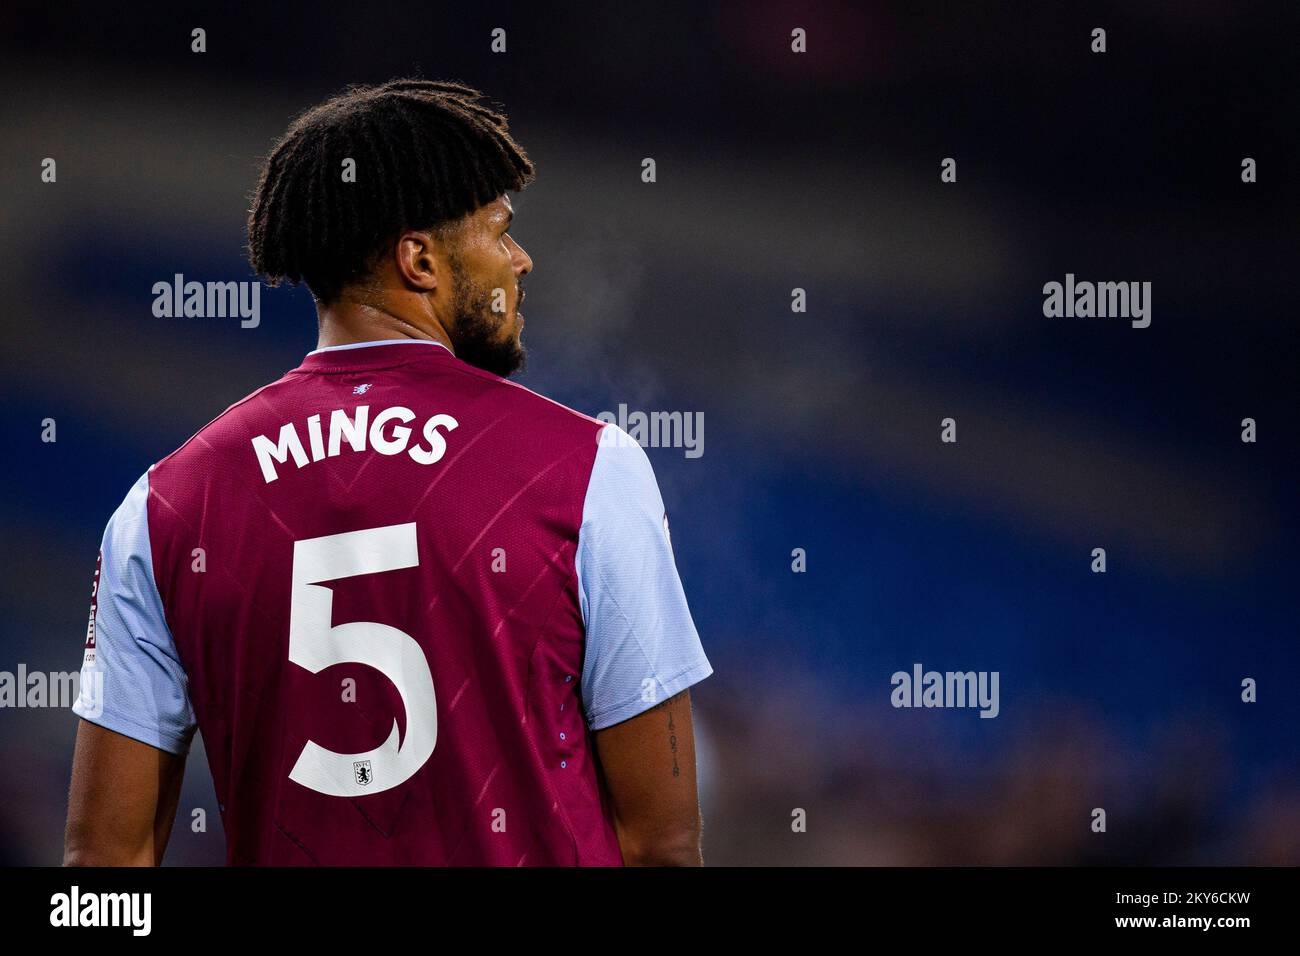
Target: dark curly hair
[426, 153]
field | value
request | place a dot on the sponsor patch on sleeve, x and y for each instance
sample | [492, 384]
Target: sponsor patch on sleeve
[94, 605]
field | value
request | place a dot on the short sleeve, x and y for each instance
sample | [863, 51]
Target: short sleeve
[641, 644]
[132, 681]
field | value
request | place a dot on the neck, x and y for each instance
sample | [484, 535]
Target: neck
[346, 323]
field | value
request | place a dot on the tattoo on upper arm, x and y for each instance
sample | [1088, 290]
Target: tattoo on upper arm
[672, 728]
[672, 742]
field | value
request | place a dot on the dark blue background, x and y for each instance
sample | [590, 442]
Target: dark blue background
[775, 171]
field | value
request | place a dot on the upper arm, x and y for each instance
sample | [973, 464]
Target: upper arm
[648, 763]
[122, 800]
[137, 722]
[642, 654]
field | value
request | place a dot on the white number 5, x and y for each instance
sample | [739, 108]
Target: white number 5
[314, 644]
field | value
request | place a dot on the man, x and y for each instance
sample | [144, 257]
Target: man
[420, 614]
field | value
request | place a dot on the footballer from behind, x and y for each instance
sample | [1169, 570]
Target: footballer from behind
[420, 614]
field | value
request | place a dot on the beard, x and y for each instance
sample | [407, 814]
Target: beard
[476, 329]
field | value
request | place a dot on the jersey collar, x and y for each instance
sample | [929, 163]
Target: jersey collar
[361, 355]
[366, 345]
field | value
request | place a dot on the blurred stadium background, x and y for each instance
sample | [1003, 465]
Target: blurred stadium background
[775, 171]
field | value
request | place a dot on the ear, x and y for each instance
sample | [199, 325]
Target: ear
[416, 255]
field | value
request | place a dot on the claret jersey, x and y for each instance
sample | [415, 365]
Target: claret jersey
[396, 595]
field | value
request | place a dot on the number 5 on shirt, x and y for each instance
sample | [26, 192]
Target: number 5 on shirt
[315, 645]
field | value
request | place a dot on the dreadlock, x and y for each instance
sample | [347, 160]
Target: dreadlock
[426, 153]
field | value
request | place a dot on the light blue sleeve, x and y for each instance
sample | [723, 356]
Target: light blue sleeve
[132, 681]
[642, 646]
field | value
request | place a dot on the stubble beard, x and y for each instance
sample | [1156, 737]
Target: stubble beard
[476, 329]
